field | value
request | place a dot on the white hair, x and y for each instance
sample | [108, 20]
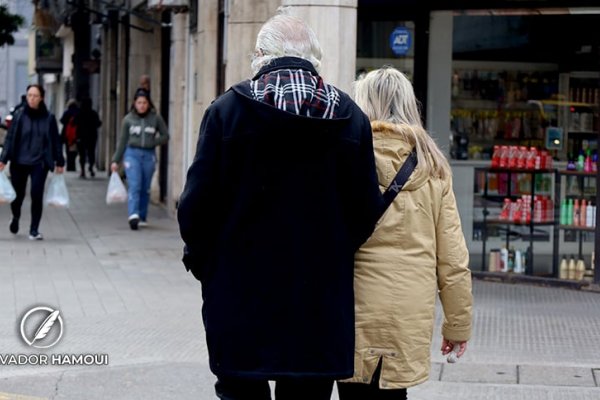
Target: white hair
[286, 36]
[387, 95]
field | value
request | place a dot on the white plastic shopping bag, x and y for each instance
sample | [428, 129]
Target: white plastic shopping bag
[57, 194]
[116, 193]
[7, 192]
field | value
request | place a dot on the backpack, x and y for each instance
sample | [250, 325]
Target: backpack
[71, 132]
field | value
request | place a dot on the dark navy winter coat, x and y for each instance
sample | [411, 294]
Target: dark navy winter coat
[32, 138]
[274, 207]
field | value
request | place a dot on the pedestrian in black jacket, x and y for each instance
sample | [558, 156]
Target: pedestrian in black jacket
[33, 148]
[68, 133]
[87, 122]
[281, 193]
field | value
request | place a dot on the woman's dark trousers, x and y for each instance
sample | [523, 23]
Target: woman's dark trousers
[371, 391]
[87, 153]
[228, 388]
[19, 174]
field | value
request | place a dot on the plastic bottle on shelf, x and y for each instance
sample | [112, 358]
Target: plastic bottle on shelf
[571, 163]
[579, 269]
[531, 158]
[587, 166]
[504, 153]
[580, 161]
[506, 209]
[576, 213]
[595, 161]
[571, 268]
[518, 269]
[570, 212]
[511, 259]
[563, 271]
[583, 213]
[589, 222]
[503, 260]
[517, 214]
[496, 155]
[563, 212]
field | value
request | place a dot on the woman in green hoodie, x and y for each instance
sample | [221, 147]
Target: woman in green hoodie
[142, 131]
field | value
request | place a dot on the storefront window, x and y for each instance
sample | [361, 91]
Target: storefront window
[516, 82]
[385, 43]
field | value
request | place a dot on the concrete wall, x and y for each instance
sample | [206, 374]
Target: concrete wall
[244, 21]
[439, 90]
[334, 22]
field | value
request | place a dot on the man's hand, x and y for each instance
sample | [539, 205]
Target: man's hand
[114, 167]
[2, 165]
[59, 170]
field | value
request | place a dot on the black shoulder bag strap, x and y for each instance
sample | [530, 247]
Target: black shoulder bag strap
[399, 181]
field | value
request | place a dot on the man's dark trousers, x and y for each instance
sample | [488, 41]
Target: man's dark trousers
[229, 388]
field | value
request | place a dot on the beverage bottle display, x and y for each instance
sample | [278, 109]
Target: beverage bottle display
[570, 212]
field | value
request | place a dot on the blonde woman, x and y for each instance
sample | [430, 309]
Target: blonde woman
[417, 251]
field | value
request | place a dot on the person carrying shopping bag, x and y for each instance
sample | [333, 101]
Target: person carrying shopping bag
[142, 130]
[33, 148]
[417, 251]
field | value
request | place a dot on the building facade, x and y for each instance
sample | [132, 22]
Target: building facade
[474, 67]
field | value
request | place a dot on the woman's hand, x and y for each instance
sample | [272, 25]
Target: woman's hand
[2, 166]
[60, 170]
[448, 345]
[114, 167]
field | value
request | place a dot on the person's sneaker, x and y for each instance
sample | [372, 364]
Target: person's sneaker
[142, 223]
[134, 221]
[35, 236]
[92, 173]
[14, 226]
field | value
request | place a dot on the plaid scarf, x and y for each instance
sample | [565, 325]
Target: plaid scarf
[297, 91]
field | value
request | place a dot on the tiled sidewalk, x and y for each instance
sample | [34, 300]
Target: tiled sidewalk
[126, 294]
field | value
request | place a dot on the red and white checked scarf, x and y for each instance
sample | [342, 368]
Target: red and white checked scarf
[297, 91]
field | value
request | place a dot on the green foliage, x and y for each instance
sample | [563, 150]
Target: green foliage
[9, 24]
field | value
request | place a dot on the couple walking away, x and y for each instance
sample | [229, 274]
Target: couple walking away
[301, 283]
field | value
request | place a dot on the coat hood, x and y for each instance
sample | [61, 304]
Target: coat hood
[391, 150]
[293, 84]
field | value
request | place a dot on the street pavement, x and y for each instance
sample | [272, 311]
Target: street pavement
[127, 295]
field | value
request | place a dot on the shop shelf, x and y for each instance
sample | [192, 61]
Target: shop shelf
[577, 228]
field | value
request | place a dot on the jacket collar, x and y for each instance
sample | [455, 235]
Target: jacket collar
[286, 63]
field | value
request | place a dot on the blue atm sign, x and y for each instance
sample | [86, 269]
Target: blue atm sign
[400, 41]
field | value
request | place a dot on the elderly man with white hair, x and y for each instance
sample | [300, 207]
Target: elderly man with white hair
[281, 193]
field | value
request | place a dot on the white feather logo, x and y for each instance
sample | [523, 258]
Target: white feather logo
[46, 326]
[44, 329]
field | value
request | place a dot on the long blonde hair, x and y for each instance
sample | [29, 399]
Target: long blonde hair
[387, 95]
